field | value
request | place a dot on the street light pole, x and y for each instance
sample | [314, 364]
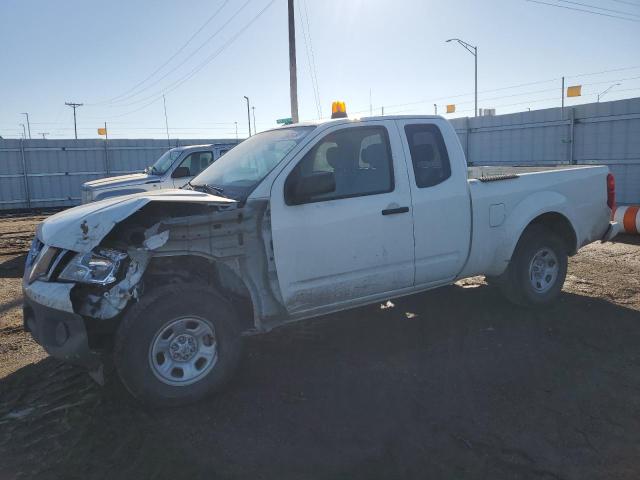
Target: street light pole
[248, 114]
[293, 75]
[166, 120]
[24, 131]
[473, 51]
[253, 111]
[600, 95]
[28, 124]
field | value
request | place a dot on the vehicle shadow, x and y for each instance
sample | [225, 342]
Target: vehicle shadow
[627, 238]
[13, 267]
[453, 383]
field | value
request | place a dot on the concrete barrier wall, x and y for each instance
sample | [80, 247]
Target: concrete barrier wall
[606, 133]
[48, 173]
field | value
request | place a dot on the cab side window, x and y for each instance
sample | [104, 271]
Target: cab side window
[197, 162]
[357, 158]
[428, 153]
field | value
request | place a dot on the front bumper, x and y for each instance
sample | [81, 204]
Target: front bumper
[62, 333]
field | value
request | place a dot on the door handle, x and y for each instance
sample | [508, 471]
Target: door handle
[393, 211]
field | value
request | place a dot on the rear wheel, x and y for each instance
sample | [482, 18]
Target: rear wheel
[176, 345]
[537, 269]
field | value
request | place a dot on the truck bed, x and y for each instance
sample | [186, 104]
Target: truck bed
[505, 199]
[496, 172]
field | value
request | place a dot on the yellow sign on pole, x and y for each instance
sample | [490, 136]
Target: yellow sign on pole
[451, 108]
[102, 131]
[574, 91]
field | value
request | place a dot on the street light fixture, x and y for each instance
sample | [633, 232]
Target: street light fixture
[600, 95]
[473, 51]
[28, 124]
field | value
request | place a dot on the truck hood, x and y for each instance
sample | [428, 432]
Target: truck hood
[120, 181]
[82, 228]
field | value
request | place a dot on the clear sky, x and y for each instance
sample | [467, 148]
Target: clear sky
[98, 53]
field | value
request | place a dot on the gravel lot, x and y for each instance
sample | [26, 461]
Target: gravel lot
[454, 384]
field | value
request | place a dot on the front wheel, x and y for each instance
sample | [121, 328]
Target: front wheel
[537, 270]
[176, 345]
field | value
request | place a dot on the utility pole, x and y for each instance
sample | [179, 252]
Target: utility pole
[382, 110]
[43, 135]
[236, 131]
[370, 105]
[166, 120]
[435, 109]
[562, 95]
[473, 51]
[293, 76]
[253, 111]
[248, 114]
[28, 124]
[74, 106]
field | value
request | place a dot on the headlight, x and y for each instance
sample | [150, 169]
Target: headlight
[100, 267]
[40, 265]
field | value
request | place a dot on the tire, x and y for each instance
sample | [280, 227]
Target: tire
[178, 344]
[537, 269]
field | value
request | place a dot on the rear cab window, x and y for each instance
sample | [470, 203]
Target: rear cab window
[429, 154]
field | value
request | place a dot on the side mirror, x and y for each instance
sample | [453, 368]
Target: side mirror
[181, 172]
[303, 189]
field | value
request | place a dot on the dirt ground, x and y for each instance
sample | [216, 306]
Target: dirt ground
[452, 384]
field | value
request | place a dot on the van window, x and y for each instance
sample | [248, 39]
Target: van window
[428, 153]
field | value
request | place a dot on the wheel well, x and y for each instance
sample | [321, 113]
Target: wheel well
[561, 226]
[203, 271]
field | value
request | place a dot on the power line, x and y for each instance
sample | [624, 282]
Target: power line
[583, 10]
[306, 48]
[313, 74]
[599, 8]
[177, 83]
[313, 57]
[538, 82]
[169, 72]
[628, 3]
[215, 14]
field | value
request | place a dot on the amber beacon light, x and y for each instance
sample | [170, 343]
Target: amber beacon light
[338, 110]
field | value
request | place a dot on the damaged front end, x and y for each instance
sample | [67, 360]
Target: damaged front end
[73, 300]
[89, 264]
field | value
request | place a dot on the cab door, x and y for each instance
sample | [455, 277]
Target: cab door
[441, 206]
[355, 239]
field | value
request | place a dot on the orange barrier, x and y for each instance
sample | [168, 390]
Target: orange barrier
[628, 217]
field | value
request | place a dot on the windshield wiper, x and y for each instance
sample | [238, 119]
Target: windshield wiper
[212, 189]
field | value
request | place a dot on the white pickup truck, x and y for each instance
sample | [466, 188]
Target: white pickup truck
[174, 169]
[291, 224]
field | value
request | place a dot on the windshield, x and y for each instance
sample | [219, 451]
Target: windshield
[241, 169]
[164, 162]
